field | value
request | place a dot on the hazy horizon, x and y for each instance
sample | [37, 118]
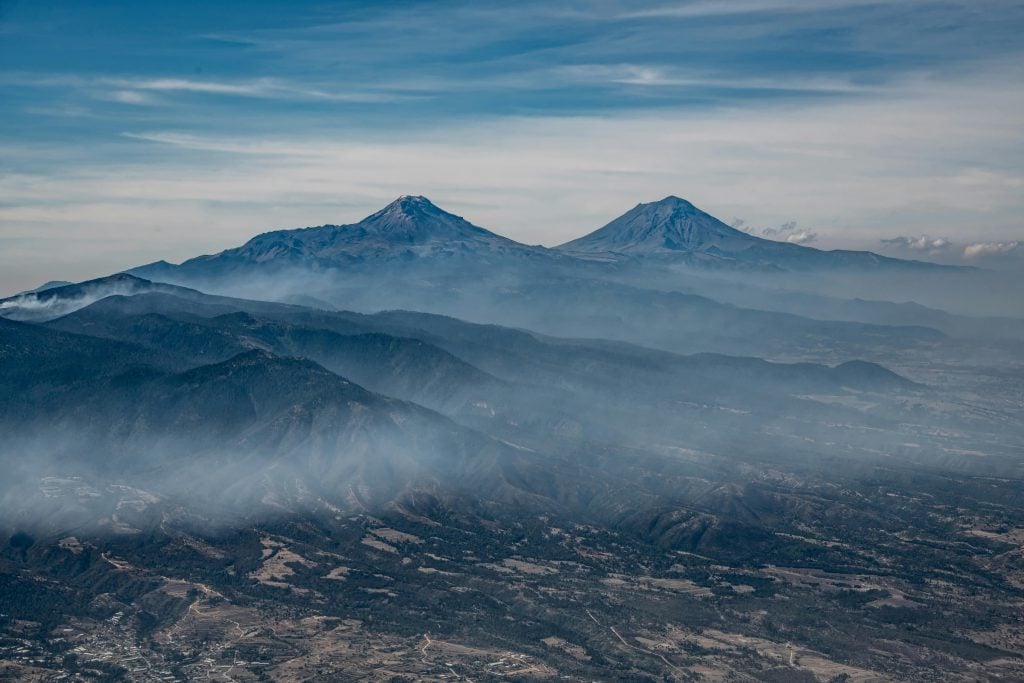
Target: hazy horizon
[455, 340]
[139, 134]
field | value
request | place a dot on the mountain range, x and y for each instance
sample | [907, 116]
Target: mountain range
[647, 454]
[646, 278]
[412, 227]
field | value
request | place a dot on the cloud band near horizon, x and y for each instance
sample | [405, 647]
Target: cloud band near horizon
[185, 128]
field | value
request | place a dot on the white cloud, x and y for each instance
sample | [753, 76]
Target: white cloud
[922, 243]
[801, 237]
[855, 170]
[979, 249]
[787, 232]
[994, 253]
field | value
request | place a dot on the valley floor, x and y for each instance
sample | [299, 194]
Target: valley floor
[428, 594]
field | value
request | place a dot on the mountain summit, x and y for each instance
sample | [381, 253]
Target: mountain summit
[409, 228]
[415, 217]
[407, 221]
[675, 230]
[413, 233]
[669, 225]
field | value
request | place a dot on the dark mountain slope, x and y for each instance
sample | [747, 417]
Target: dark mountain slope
[33, 358]
[404, 367]
[561, 306]
[259, 431]
[528, 388]
[419, 346]
[251, 426]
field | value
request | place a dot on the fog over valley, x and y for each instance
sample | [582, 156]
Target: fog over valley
[416, 397]
[389, 341]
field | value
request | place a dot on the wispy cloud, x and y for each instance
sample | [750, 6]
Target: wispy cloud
[787, 232]
[851, 172]
[862, 119]
[921, 243]
[718, 8]
[136, 90]
[260, 88]
[952, 251]
[660, 76]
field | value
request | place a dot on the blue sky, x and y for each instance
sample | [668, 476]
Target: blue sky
[138, 131]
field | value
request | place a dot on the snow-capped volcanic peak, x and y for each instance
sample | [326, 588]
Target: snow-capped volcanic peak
[413, 204]
[672, 224]
[408, 223]
[415, 218]
[410, 227]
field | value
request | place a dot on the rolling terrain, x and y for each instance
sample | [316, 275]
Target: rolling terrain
[409, 448]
